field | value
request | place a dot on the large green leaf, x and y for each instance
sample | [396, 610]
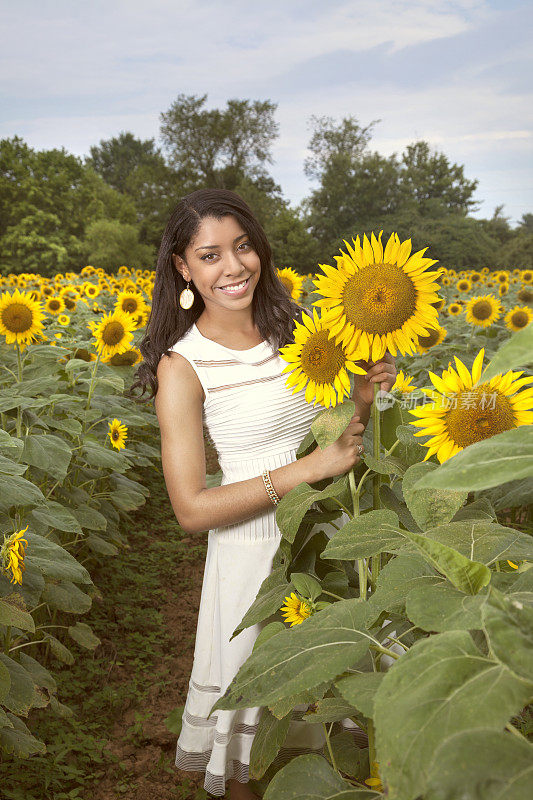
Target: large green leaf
[349, 757]
[21, 695]
[17, 740]
[371, 533]
[280, 708]
[467, 575]
[10, 467]
[270, 735]
[330, 423]
[5, 681]
[66, 596]
[55, 515]
[292, 507]
[89, 517]
[481, 764]
[97, 455]
[41, 676]
[508, 626]
[59, 650]
[299, 658]
[507, 456]
[49, 453]
[17, 491]
[83, 635]
[11, 614]
[329, 709]
[268, 600]
[484, 541]
[53, 560]
[444, 608]
[396, 580]
[429, 507]
[515, 352]
[359, 690]
[310, 777]
[441, 686]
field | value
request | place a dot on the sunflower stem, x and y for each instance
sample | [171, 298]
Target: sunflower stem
[333, 762]
[361, 563]
[19, 378]
[91, 385]
[376, 433]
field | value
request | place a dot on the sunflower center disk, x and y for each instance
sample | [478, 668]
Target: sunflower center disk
[482, 310]
[130, 306]
[17, 317]
[429, 340]
[379, 298]
[520, 319]
[113, 333]
[480, 413]
[321, 358]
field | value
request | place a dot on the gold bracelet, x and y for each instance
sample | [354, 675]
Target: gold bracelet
[270, 489]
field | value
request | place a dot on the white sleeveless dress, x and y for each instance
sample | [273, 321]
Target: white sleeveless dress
[256, 423]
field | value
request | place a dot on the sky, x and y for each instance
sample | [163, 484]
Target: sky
[456, 74]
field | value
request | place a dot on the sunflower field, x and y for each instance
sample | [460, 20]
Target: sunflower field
[399, 606]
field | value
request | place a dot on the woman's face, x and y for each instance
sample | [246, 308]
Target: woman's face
[221, 255]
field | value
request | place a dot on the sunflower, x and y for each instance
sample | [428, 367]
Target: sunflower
[20, 318]
[292, 281]
[454, 309]
[118, 433]
[126, 359]
[431, 339]
[91, 290]
[463, 411]
[463, 285]
[378, 300]
[483, 310]
[525, 295]
[114, 333]
[518, 317]
[130, 302]
[314, 359]
[526, 276]
[402, 383]
[296, 609]
[502, 277]
[503, 289]
[54, 305]
[475, 277]
[439, 304]
[12, 554]
[63, 319]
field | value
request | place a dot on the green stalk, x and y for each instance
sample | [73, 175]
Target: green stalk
[376, 441]
[19, 378]
[334, 763]
[361, 563]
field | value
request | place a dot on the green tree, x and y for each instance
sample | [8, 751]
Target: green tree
[431, 176]
[110, 244]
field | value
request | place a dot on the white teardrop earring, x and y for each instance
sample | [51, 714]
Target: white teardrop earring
[186, 297]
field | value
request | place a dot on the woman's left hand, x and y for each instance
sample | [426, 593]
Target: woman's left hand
[382, 372]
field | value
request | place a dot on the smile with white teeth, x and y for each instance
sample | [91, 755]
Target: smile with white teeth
[233, 287]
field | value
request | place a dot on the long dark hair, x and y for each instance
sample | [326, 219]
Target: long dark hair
[273, 310]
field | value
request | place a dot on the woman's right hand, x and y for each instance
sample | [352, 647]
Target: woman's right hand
[340, 456]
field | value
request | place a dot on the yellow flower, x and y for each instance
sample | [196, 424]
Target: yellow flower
[296, 609]
[131, 302]
[118, 433]
[91, 290]
[292, 281]
[63, 319]
[431, 339]
[12, 554]
[464, 285]
[526, 276]
[20, 317]
[463, 412]
[126, 359]
[314, 359]
[55, 305]
[503, 289]
[475, 277]
[379, 299]
[114, 333]
[483, 310]
[502, 277]
[403, 383]
[518, 317]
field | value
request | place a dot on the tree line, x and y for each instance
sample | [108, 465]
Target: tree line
[59, 212]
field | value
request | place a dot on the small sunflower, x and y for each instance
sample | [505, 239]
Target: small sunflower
[483, 310]
[91, 290]
[379, 299]
[503, 289]
[454, 309]
[63, 319]
[292, 281]
[402, 383]
[518, 317]
[431, 339]
[55, 304]
[12, 554]
[118, 434]
[296, 609]
[463, 411]
[21, 317]
[130, 302]
[114, 333]
[126, 359]
[463, 285]
[502, 277]
[526, 276]
[314, 359]
[525, 295]
[475, 277]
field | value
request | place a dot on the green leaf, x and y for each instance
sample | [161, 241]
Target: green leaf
[292, 507]
[269, 630]
[329, 709]
[270, 735]
[444, 608]
[127, 500]
[467, 575]
[96, 455]
[428, 506]
[101, 546]
[89, 517]
[53, 560]
[285, 705]
[17, 491]
[41, 676]
[390, 500]
[268, 600]
[310, 777]
[515, 352]
[18, 741]
[396, 579]
[330, 423]
[66, 596]
[10, 467]
[11, 614]
[481, 763]
[306, 585]
[49, 453]
[508, 626]
[484, 541]
[299, 658]
[83, 635]
[5, 682]
[360, 689]
[371, 533]
[55, 515]
[505, 457]
[441, 686]
[387, 465]
[174, 719]
[59, 650]
[21, 695]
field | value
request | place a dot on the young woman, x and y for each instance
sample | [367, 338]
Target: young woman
[217, 360]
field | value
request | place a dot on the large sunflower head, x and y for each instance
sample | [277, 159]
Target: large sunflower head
[483, 310]
[379, 299]
[318, 363]
[433, 337]
[114, 333]
[463, 411]
[21, 317]
[292, 281]
[518, 317]
[130, 302]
